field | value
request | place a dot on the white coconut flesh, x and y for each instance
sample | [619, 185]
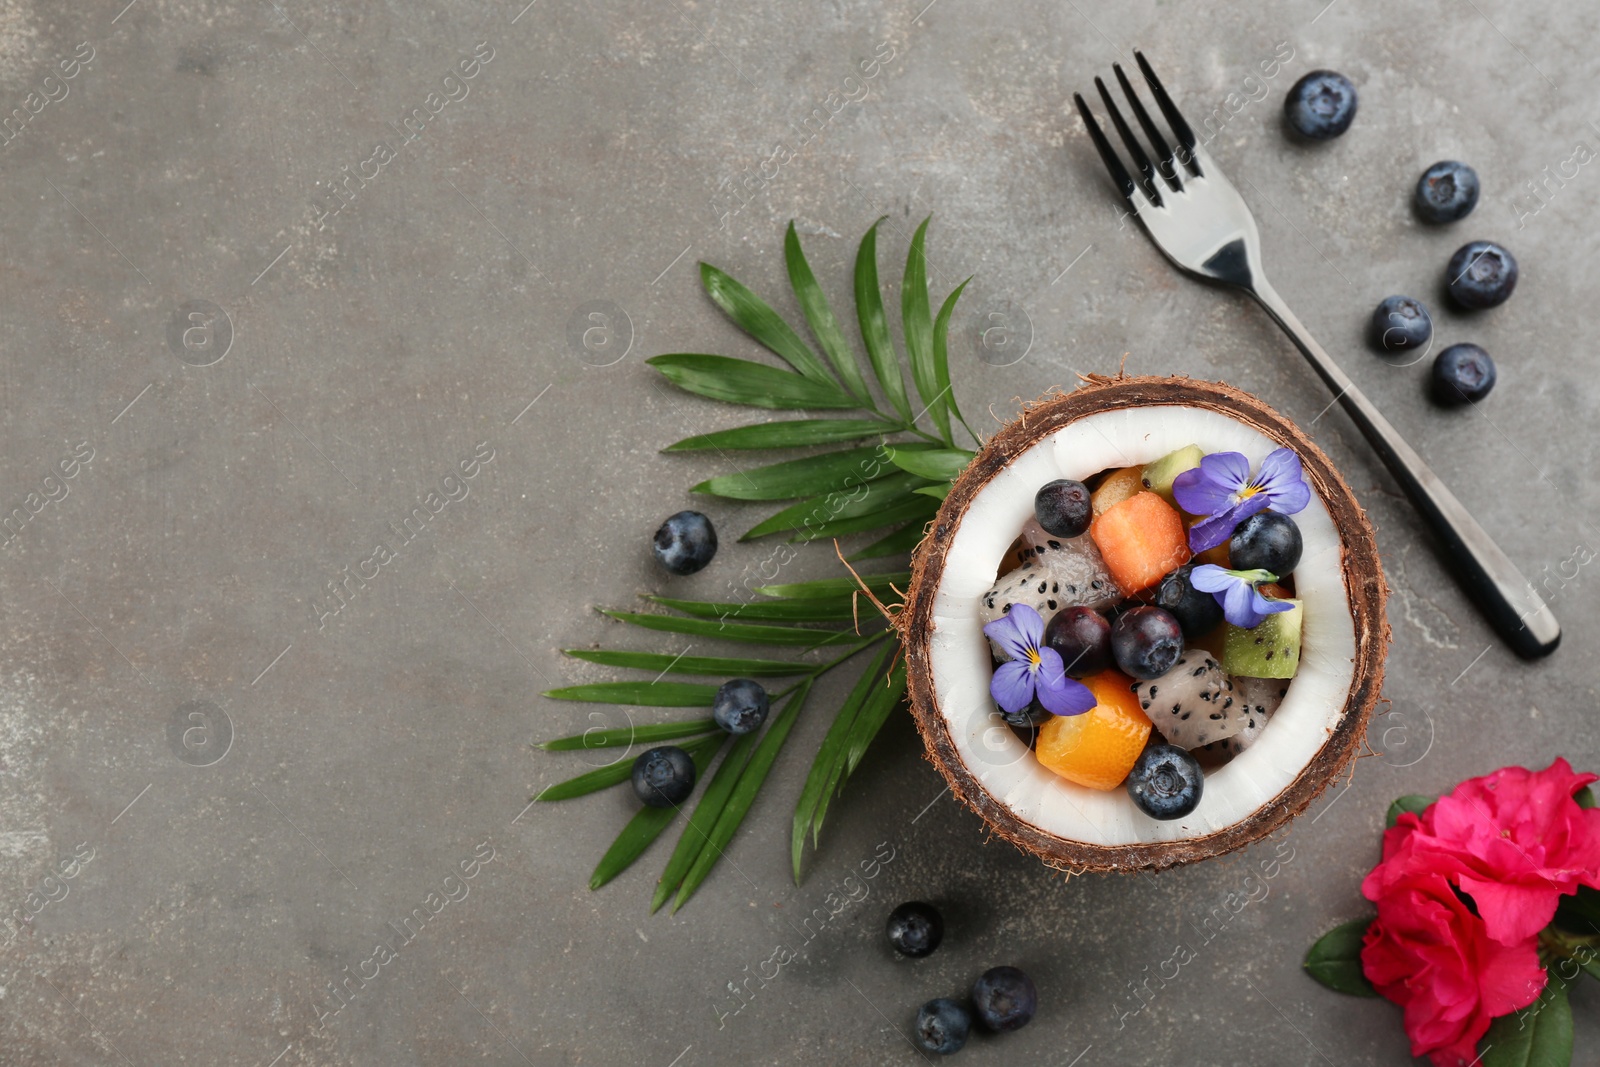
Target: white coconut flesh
[958, 652]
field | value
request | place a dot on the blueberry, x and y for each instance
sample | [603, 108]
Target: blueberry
[1146, 642]
[686, 542]
[1197, 613]
[663, 777]
[1399, 323]
[1461, 374]
[1266, 541]
[1447, 191]
[1320, 105]
[1004, 999]
[1165, 782]
[943, 1026]
[1083, 638]
[740, 706]
[1062, 507]
[915, 929]
[1481, 275]
[1028, 719]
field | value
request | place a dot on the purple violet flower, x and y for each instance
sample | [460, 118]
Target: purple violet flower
[1242, 604]
[1034, 668]
[1221, 489]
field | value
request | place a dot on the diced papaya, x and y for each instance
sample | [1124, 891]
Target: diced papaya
[1118, 486]
[1099, 747]
[1141, 539]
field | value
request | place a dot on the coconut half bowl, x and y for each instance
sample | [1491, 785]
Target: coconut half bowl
[1314, 734]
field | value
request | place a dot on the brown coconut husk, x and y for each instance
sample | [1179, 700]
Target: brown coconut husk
[1363, 578]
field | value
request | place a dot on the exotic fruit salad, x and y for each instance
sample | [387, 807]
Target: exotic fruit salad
[1147, 625]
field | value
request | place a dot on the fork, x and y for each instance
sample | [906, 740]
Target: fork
[1201, 223]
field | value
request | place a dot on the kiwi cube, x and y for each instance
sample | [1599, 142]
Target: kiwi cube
[1269, 650]
[1158, 475]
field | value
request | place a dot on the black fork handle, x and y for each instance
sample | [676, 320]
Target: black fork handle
[1488, 575]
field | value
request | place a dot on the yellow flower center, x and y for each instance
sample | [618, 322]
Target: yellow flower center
[1248, 491]
[1033, 657]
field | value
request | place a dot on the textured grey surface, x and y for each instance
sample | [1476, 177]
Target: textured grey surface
[375, 349]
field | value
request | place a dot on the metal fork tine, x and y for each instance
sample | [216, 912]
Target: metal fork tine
[1119, 173]
[1135, 149]
[1175, 118]
[1168, 165]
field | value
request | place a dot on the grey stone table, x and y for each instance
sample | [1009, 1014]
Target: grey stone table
[278, 273]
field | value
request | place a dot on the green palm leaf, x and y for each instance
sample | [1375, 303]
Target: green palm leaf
[646, 826]
[898, 543]
[788, 433]
[749, 632]
[629, 735]
[645, 694]
[888, 474]
[743, 382]
[824, 327]
[743, 794]
[941, 356]
[917, 325]
[830, 472]
[666, 663]
[761, 322]
[760, 610]
[829, 761]
[830, 507]
[875, 325]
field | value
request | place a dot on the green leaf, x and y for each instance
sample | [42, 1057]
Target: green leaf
[828, 588]
[622, 736]
[1335, 959]
[1584, 797]
[739, 381]
[917, 322]
[941, 354]
[938, 492]
[819, 316]
[588, 782]
[938, 464]
[831, 507]
[830, 472]
[666, 663]
[645, 694]
[1591, 966]
[783, 433]
[758, 320]
[646, 826]
[1579, 912]
[828, 760]
[1539, 1035]
[912, 506]
[760, 610]
[749, 632]
[713, 802]
[898, 543]
[1412, 803]
[611, 774]
[875, 325]
[743, 794]
[884, 699]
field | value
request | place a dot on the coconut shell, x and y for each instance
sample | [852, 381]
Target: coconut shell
[1363, 579]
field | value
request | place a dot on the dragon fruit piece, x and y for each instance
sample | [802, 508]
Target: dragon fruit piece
[1193, 704]
[1058, 573]
[1259, 697]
